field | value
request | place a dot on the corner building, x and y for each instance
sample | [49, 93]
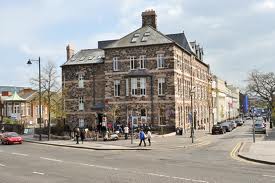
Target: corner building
[145, 78]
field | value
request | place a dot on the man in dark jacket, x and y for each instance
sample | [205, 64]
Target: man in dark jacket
[82, 135]
[77, 134]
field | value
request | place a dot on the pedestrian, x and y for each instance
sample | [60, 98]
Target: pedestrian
[126, 131]
[149, 136]
[82, 135]
[77, 134]
[142, 137]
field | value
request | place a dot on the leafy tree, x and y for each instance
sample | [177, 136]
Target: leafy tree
[262, 85]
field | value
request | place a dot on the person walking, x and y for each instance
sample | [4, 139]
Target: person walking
[142, 137]
[82, 135]
[77, 134]
[126, 131]
[149, 136]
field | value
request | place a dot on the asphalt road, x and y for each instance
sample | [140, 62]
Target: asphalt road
[211, 162]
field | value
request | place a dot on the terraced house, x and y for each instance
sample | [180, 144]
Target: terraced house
[145, 78]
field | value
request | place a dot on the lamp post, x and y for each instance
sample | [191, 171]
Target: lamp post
[40, 115]
[192, 92]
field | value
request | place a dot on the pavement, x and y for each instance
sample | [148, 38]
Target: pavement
[167, 141]
[261, 151]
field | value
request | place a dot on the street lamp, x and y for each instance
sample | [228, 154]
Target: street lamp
[40, 116]
[192, 92]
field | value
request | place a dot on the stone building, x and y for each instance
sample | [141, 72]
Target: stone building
[145, 78]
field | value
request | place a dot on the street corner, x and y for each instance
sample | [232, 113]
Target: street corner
[259, 152]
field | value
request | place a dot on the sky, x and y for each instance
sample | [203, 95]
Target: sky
[237, 36]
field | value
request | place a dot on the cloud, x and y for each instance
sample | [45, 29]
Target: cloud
[237, 36]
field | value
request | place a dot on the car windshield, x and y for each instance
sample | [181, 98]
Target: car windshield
[11, 135]
[258, 125]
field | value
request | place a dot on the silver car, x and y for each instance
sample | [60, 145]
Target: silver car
[260, 127]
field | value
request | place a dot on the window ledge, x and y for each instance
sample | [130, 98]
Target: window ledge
[163, 95]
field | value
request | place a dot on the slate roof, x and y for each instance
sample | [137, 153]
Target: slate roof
[155, 37]
[105, 43]
[181, 40]
[86, 56]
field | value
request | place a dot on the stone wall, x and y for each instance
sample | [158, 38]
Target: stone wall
[92, 92]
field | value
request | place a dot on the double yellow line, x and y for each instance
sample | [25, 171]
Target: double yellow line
[234, 155]
[234, 151]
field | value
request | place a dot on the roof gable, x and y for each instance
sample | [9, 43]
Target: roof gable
[141, 37]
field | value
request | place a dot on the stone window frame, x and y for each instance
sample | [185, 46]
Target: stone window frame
[115, 64]
[127, 87]
[161, 83]
[133, 65]
[142, 87]
[134, 87]
[142, 61]
[81, 103]
[116, 88]
[80, 80]
[160, 61]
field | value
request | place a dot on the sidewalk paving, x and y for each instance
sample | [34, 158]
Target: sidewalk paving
[158, 142]
[260, 151]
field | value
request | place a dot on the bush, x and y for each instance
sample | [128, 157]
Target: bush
[9, 121]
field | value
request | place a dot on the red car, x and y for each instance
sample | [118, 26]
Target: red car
[11, 138]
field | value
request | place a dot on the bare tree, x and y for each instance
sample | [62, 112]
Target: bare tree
[49, 87]
[262, 85]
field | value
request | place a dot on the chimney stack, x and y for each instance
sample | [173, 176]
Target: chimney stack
[149, 17]
[70, 51]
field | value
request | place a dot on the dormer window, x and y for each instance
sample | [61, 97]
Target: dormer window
[145, 36]
[135, 38]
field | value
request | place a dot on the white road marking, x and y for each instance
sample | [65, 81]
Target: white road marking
[20, 154]
[2, 165]
[39, 173]
[50, 159]
[86, 164]
[106, 167]
[159, 175]
[273, 176]
[181, 178]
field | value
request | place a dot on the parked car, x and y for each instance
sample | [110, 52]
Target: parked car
[248, 118]
[234, 124]
[260, 128]
[11, 138]
[228, 126]
[218, 129]
[239, 122]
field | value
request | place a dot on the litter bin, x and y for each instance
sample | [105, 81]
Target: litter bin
[179, 131]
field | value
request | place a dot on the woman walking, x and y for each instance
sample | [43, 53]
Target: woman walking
[149, 136]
